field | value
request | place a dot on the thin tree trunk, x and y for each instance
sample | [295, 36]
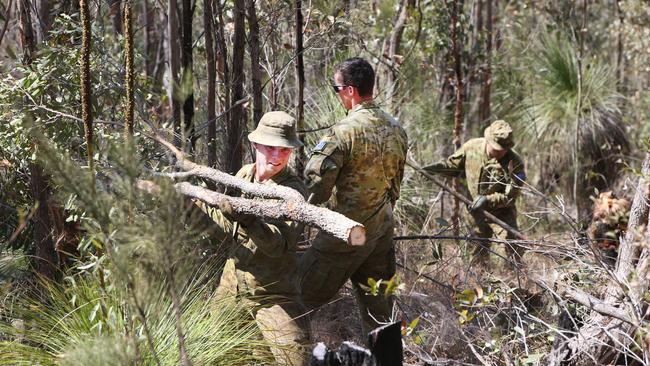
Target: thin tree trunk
[86, 92]
[172, 57]
[130, 72]
[208, 16]
[620, 60]
[149, 55]
[237, 123]
[458, 109]
[394, 46]
[26, 31]
[7, 16]
[223, 70]
[188, 76]
[115, 12]
[254, 47]
[300, 87]
[485, 99]
[44, 18]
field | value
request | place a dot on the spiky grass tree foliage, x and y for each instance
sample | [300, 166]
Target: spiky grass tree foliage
[565, 101]
[153, 304]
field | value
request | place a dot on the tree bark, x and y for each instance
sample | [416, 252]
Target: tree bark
[188, 76]
[149, 51]
[254, 47]
[236, 124]
[208, 16]
[172, 58]
[458, 109]
[130, 72]
[299, 154]
[27, 39]
[485, 99]
[44, 18]
[286, 208]
[86, 92]
[394, 46]
[115, 12]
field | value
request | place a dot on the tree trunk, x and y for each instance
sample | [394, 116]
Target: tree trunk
[130, 72]
[620, 59]
[27, 39]
[44, 18]
[223, 70]
[85, 88]
[299, 154]
[254, 47]
[172, 58]
[208, 16]
[45, 254]
[147, 39]
[458, 109]
[236, 124]
[115, 12]
[394, 46]
[485, 98]
[188, 76]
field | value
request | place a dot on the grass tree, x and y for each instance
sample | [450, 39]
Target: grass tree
[575, 118]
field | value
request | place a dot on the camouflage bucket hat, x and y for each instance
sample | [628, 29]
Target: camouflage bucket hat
[276, 129]
[499, 135]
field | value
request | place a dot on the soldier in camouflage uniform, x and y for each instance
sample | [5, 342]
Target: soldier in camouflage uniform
[494, 174]
[263, 258]
[358, 166]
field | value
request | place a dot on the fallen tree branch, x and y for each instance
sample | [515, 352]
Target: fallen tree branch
[595, 304]
[298, 210]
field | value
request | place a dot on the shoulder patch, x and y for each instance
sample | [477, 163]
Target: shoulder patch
[320, 147]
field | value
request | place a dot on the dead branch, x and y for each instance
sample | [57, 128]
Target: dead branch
[298, 210]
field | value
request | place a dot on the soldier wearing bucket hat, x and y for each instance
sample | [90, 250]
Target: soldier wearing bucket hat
[494, 173]
[262, 258]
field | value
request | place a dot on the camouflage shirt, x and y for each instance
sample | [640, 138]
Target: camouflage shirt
[359, 163]
[498, 180]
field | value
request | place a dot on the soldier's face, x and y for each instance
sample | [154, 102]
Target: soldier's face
[494, 153]
[344, 92]
[270, 160]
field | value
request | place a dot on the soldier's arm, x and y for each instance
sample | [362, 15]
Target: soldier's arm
[323, 168]
[517, 177]
[453, 166]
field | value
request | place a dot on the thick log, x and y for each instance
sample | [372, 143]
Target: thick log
[298, 210]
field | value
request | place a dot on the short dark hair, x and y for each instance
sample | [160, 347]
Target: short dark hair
[357, 72]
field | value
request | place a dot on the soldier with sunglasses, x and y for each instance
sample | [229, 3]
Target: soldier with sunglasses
[358, 167]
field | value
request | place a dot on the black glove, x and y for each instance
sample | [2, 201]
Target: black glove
[480, 202]
[244, 219]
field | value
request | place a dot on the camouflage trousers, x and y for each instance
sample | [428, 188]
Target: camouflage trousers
[484, 228]
[329, 263]
[280, 319]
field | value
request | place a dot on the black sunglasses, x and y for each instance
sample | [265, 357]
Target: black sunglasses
[338, 88]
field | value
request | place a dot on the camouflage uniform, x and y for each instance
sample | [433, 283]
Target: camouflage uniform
[358, 166]
[262, 261]
[498, 180]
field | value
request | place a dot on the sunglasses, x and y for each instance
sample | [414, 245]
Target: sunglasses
[338, 88]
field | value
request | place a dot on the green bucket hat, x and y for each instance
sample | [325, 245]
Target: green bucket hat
[499, 135]
[276, 129]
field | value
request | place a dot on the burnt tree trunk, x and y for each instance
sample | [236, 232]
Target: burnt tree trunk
[300, 87]
[188, 76]
[254, 48]
[394, 60]
[208, 21]
[236, 124]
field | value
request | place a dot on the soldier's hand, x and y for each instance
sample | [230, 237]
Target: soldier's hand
[480, 202]
[244, 219]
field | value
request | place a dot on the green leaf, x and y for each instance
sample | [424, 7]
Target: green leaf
[442, 222]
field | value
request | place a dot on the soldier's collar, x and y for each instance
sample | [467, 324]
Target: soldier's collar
[367, 104]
